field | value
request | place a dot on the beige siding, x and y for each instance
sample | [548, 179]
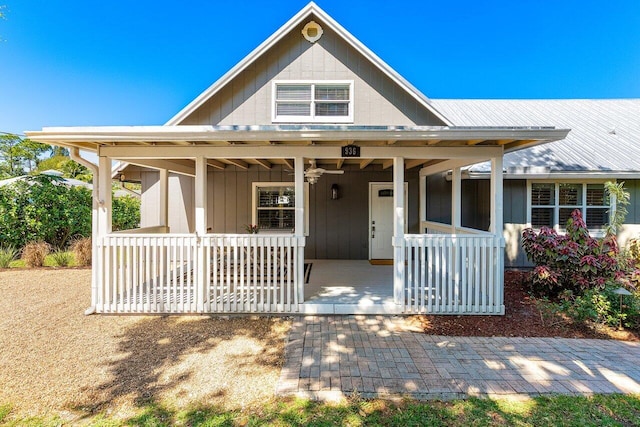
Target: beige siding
[247, 99]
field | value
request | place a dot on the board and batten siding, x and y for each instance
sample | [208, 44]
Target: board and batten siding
[338, 229]
[476, 211]
[247, 99]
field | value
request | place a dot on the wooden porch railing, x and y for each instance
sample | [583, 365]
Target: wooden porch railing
[454, 274]
[155, 273]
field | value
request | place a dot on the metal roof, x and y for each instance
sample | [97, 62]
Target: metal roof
[604, 136]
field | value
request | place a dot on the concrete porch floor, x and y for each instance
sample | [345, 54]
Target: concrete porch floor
[349, 287]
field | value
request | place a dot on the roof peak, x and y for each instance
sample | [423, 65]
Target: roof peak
[310, 8]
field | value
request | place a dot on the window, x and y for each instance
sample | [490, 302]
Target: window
[324, 102]
[274, 207]
[552, 203]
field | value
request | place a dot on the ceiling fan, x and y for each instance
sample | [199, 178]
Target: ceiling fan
[313, 172]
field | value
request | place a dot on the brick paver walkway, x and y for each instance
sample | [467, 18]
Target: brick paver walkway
[330, 356]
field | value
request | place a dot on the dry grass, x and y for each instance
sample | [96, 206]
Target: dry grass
[82, 250]
[34, 253]
[56, 360]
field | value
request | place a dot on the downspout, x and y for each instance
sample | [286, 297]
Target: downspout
[75, 156]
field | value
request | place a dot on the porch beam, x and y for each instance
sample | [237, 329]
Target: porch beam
[288, 152]
[216, 164]
[456, 199]
[289, 163]
[366, 162]
[173, 166]
[413, 163]
[264, 163]
[475, 141]
[398, 230]
[447, 165]
[239, 163]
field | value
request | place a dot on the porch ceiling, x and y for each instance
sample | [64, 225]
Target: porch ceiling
[432, 139]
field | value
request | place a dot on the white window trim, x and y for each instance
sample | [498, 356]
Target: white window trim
[556, 206]
[254, 204]
[312, 118]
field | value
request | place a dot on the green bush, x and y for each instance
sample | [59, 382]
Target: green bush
[125, 213]
[7, 254]
[42, 208]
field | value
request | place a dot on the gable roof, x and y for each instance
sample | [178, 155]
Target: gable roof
[308, 10]
[604, 137]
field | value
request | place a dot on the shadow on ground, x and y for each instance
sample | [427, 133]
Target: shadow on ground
[193, 358]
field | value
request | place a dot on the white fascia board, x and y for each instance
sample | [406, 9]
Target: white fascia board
[561, 175]
[206, 133]
[309, 9]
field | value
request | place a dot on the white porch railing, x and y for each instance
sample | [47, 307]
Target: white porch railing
[155, 273]
[454, 274]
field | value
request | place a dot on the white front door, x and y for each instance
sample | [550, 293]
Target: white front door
[381, 219]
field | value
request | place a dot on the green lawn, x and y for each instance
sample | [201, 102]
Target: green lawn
[599, 410]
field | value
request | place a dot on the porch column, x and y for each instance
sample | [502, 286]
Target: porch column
[423, 201]
[497, 228]
[497, 225]
[456, 199]
[201, 196]
[299, 230]
[201, 229]
[164, 197]
[398, 229]
[104, 190]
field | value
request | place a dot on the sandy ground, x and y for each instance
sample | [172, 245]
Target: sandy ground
[54, 359]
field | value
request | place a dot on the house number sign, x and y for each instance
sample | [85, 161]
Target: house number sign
[350, 151]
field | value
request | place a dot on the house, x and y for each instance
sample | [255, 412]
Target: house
[328, 150]
[543, 184]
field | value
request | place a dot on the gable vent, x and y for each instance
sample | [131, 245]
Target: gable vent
[312, 31]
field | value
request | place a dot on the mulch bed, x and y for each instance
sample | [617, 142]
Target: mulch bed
[522, 319]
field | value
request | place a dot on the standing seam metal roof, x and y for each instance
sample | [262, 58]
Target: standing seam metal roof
[605, 133]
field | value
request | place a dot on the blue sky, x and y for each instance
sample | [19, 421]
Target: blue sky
[85, 62]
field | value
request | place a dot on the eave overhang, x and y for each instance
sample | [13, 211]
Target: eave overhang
[92, 138]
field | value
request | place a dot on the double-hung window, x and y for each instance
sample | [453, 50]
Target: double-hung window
[551, 204]
[308, 102]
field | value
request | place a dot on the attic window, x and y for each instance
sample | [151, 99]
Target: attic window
[322, 101]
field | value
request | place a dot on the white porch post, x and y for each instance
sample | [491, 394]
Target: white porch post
[104, 190]
[496, 196]
[423, 201]
[497, 228]
[398, 229]
[164, 197]
[299, 230]
[201, 228]
[456, 199]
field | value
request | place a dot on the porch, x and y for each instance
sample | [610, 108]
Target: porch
[441, 268]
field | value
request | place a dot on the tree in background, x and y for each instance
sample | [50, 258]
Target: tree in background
[19, 155]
